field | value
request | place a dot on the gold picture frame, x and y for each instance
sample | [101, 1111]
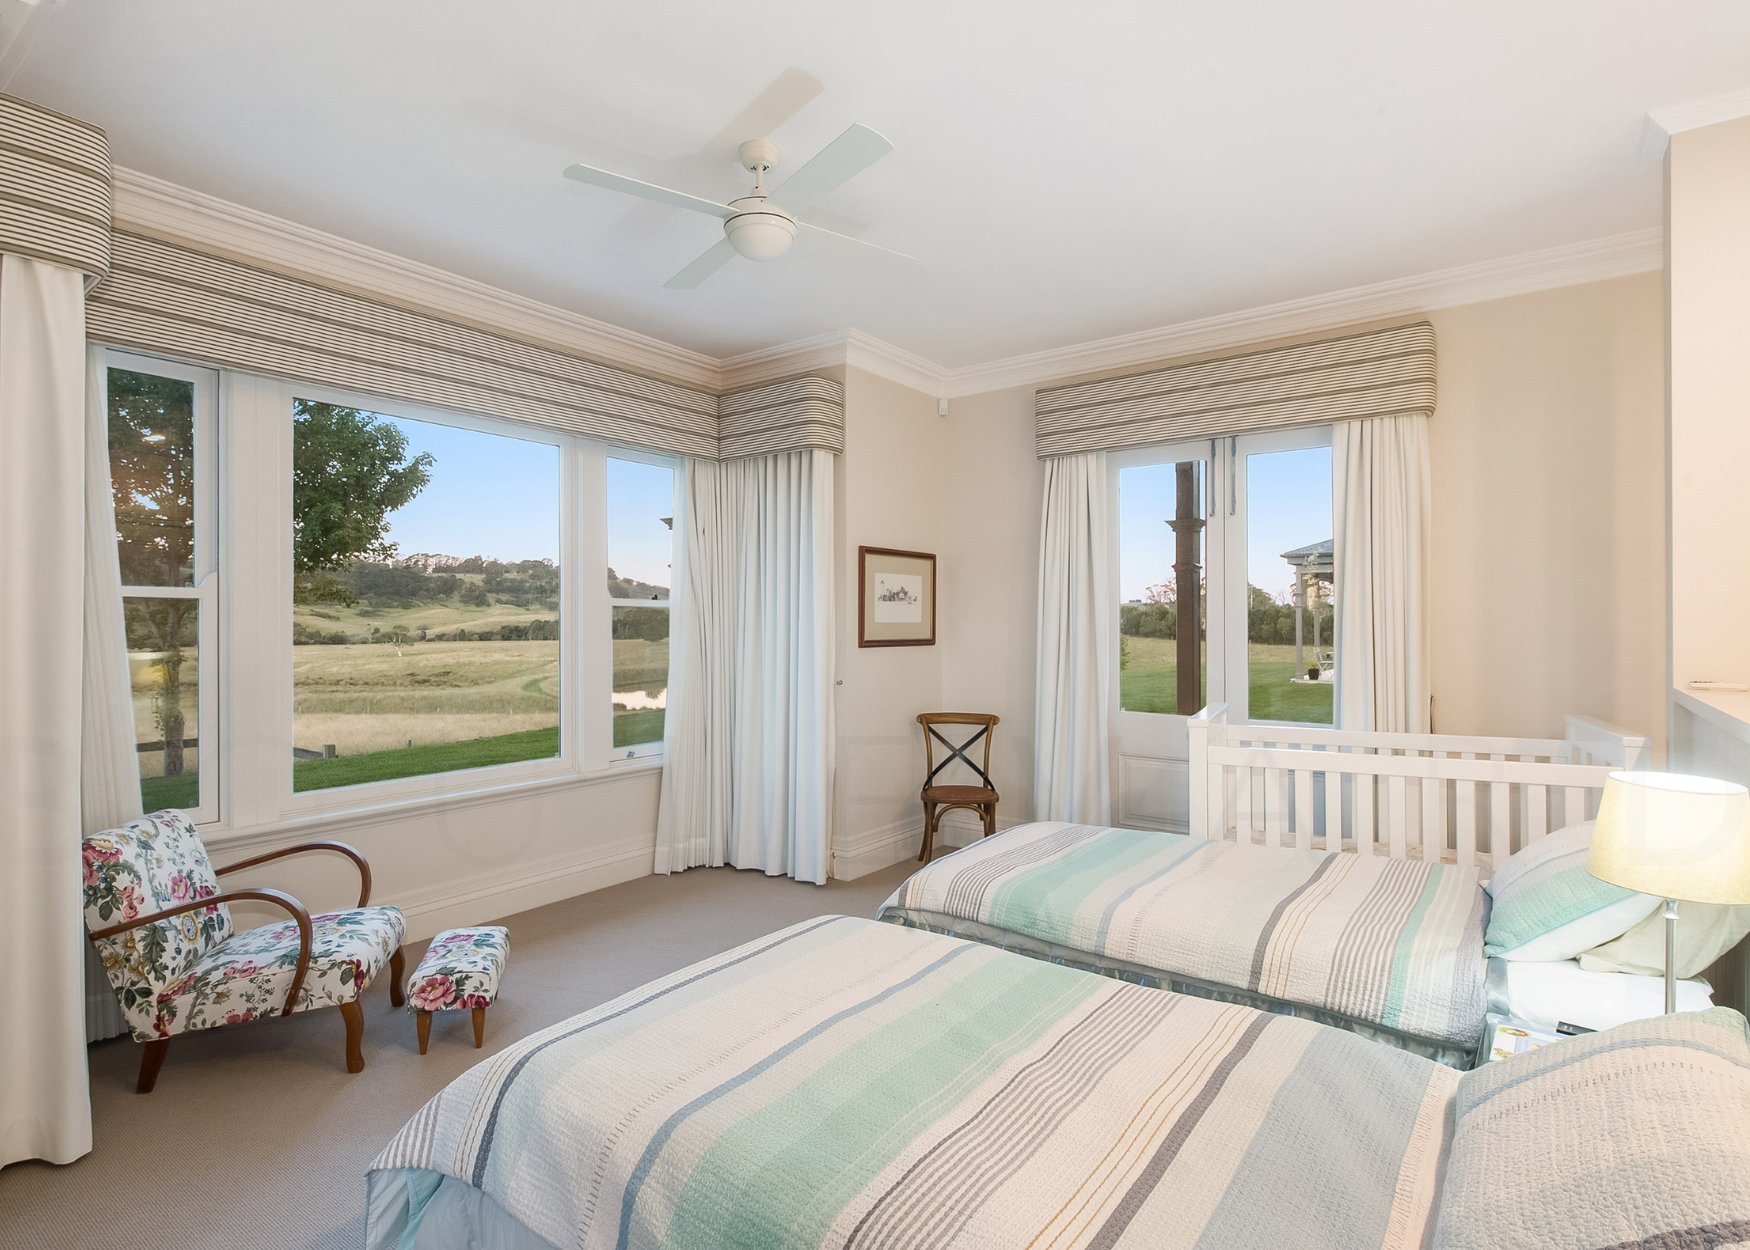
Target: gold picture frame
[896, 598]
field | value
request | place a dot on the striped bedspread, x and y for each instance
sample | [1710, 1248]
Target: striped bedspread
[1380, 942]
[845, 1083]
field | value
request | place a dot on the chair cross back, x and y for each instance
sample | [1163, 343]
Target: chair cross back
[938, 800]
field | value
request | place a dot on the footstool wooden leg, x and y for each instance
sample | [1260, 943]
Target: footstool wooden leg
[398, 981]
[354, 1015]
[479, 1027]
[424, 1019]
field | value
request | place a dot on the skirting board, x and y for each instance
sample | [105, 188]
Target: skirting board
[890, 844]
[492, 896]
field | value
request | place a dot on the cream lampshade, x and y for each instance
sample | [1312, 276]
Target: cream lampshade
[1678, 838]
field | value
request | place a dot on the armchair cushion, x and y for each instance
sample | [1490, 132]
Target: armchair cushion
[150, 865]
[248, 976]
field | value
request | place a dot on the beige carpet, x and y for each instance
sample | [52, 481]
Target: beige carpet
[257, 1137]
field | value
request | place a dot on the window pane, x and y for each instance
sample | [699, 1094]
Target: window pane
[1160, 541]
[640, 523]
[151, 468]
[410, 655]
[1291, 652]
[640, 675]
[164, 671]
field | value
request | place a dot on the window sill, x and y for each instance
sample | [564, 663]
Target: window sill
[221, 837]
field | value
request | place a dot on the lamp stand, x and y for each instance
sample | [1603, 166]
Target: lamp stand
[1670, 955]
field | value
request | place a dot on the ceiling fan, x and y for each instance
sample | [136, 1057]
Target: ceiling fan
[762, 224]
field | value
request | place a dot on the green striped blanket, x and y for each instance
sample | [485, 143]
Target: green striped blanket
[845, 1083]
[1386, 947]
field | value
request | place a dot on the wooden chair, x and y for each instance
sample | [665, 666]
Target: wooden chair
[155, 913]
[940, 800]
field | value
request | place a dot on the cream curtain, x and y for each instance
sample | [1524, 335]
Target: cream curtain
[750, 737]
[1071, 770]
[109, 770]
[1380, 503]
[45, 1105]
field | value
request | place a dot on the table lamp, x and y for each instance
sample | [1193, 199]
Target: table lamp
[1679, 838]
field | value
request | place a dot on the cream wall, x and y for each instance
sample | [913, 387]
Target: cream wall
[887, 493]
[1548, 449]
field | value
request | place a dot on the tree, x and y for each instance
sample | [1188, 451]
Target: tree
[350, 470]
[151, 458]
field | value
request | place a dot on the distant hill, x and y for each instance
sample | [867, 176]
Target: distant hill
[626, 588]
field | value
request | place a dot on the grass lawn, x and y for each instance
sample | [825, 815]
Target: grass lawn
[634, 729]
[158, 793]
[446, 757]
[1150, 683]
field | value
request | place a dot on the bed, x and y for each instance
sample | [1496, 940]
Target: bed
[844, 1083]
[1252, 905]
[1388, 948]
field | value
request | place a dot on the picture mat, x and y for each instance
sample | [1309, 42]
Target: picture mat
[882, 621]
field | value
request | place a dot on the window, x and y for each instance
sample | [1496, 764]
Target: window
[162, 420]
[640, 545]
[1291, 649]
[1224, 563]
[425, 597]
[1161, 631]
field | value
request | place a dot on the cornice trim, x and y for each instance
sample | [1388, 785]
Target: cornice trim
[1616, 256]
[165, 210]
[162, 209]
[1665, 122]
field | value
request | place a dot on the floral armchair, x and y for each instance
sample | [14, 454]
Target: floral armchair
[164, 931]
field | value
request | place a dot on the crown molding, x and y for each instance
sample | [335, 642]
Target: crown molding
[165, 210]
[1662, 123]
[1616, 256]
[838, 347]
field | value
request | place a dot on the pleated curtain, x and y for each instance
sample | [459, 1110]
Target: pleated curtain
[1071, 766]
[749, 738]
[1381, 546]
[45, 1105]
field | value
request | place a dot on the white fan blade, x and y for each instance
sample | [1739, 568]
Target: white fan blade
[644, 190]
[716, 256]
[838, 162]
[845, 238]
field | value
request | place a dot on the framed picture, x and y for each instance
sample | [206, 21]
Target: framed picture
[896, 600]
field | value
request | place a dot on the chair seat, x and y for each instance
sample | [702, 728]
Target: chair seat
[247, 977]
[461, 969]
[959, 794]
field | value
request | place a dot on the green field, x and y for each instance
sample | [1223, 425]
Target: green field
[1149, 683]
[448, 757]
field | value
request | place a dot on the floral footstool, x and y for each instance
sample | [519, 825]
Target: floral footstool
[460, 970]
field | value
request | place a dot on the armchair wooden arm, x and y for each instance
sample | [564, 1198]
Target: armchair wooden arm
[363, 867]
[278, 897]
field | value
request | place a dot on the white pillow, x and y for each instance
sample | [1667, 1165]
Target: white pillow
[1705, 931]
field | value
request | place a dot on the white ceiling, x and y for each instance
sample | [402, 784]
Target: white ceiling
[1063, 172]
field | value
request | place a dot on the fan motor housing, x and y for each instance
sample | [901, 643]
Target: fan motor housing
[759, 230]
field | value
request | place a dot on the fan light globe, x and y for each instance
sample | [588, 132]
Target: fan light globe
[759, 232]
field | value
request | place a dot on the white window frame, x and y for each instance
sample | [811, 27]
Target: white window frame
[243, 449]
[1227, 658]
[643, 750]
[206, 575]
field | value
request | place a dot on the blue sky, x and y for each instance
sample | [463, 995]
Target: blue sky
[639, 496]
[488, 496]
[1289, 506]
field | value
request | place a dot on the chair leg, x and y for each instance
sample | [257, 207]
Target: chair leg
[990, 820]
[424, 1024]
[479, 1027]
[354, 1015]
[397, 981]
[150, 1062]
[929, 833]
